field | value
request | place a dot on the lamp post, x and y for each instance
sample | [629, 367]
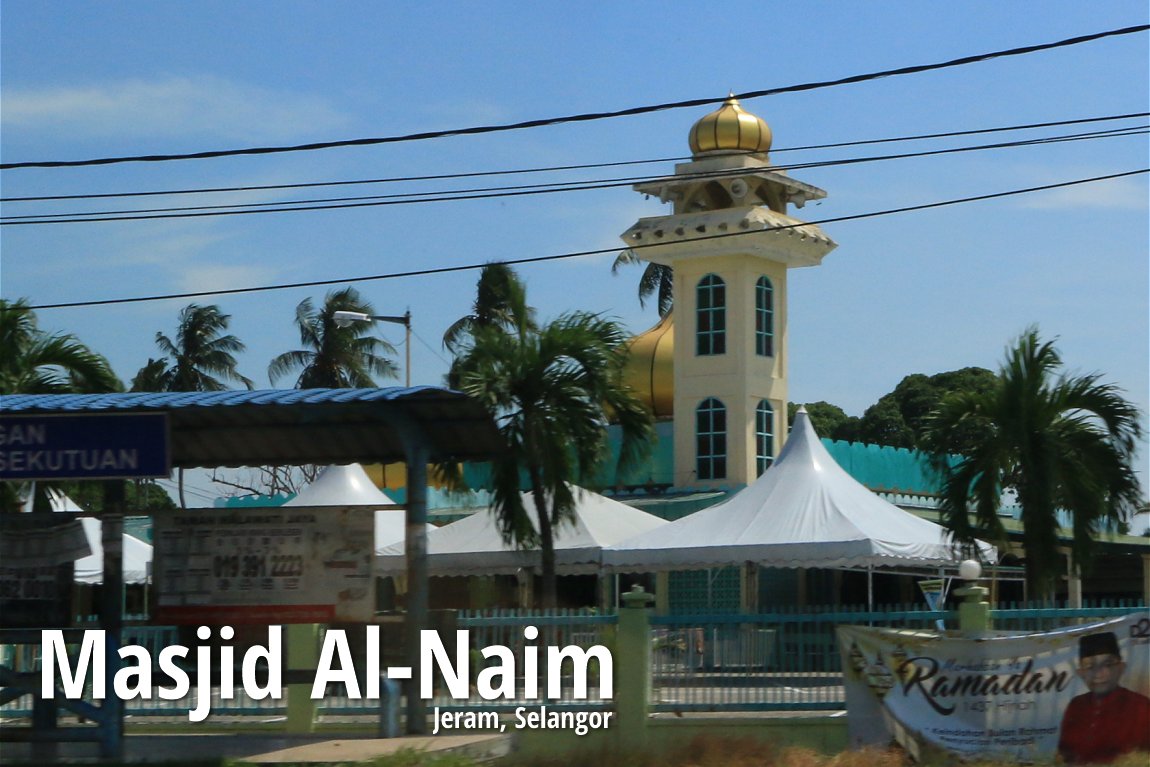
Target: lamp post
[344, 319]
[415, 537]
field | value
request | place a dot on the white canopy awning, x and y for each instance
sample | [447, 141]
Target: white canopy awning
[804, 511]
[474, 545]
[137, 555]
[350, 486]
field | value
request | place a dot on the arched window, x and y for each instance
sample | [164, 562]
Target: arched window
[711, 316]
[764, 318]
[711, 439]
[764, 436]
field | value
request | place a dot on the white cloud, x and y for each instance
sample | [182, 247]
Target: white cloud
[1116, 194]
[175, 106]
[208, 277]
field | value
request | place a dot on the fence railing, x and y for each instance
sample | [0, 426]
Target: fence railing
[767, 661]
[781, 660]
[1030, 618]
[790, 660]
[558, 628]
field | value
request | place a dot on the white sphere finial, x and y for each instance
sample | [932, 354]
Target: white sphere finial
[970, 570]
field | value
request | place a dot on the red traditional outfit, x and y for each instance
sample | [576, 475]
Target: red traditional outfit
[1097, 729]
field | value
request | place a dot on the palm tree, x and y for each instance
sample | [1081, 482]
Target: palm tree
[552, 390]
[35, 362]
[500, 301]
[657, 280]
[202, 358]
[1061, 443]
[500, 304]
[335, 357]
[151, 377]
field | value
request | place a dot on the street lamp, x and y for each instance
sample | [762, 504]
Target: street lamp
[344, 319]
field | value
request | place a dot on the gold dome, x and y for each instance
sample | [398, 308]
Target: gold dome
[650, 368]
[730, 129]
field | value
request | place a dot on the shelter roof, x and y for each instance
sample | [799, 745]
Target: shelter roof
[804, 511]
[295, 426]
[474, 545]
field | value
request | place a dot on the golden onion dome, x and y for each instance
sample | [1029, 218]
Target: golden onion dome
[650, 367]
[730, 129]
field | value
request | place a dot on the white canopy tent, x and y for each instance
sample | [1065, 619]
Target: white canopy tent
[90, 569]
[350, 486]
[804, 511]
[474, 545]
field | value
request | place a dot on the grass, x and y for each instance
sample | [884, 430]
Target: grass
[702, 751]
[711, 751]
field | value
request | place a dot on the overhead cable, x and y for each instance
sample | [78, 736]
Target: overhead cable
[585, 117]
[561, 168]
[483, 193]
[576, 254]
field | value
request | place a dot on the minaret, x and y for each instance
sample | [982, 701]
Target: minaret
[730, 242]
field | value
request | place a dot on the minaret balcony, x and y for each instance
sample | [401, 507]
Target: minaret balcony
[755, 231]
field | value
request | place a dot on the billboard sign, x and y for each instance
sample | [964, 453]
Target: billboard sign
[1005, 696]
[36, 556]
[272, 565]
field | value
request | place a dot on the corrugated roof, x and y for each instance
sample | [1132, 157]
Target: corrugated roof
[294, 426]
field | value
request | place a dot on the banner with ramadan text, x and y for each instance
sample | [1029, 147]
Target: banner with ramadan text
[1000, 695]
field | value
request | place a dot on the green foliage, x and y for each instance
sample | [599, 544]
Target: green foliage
[500, 302]
[829, 421]
[201, 357]
[657, 280]
[139, 497]
[35, 362]
[1060, 442]
[335, 357]
[552, 389]
[898, 418]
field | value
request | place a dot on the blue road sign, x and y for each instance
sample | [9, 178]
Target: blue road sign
[98, 446]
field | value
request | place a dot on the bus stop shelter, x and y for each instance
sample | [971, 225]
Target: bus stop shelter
[416, 426]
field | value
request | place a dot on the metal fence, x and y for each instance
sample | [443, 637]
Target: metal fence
[782, 660]
[559, 628]
[769, 661]
[580, 628]
[790, 660]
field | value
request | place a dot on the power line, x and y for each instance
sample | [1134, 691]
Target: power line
[588, 116]
[409, 198]
[560, 168]
[575, 254]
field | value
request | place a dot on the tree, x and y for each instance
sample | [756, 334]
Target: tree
[200, 358]
[552, 390]
[657, 280]
[828, 420]
[139, 496]
[899, 417]
[500, 302]
[35, 362]
[153, 376]
[335, 357]
[1061, 443]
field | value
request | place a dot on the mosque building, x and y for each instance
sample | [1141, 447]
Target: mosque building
[719, 390]
[729, 241]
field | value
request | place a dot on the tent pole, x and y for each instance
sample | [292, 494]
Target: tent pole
[870, 588]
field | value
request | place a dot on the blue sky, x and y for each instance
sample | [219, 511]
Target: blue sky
[917, 292]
